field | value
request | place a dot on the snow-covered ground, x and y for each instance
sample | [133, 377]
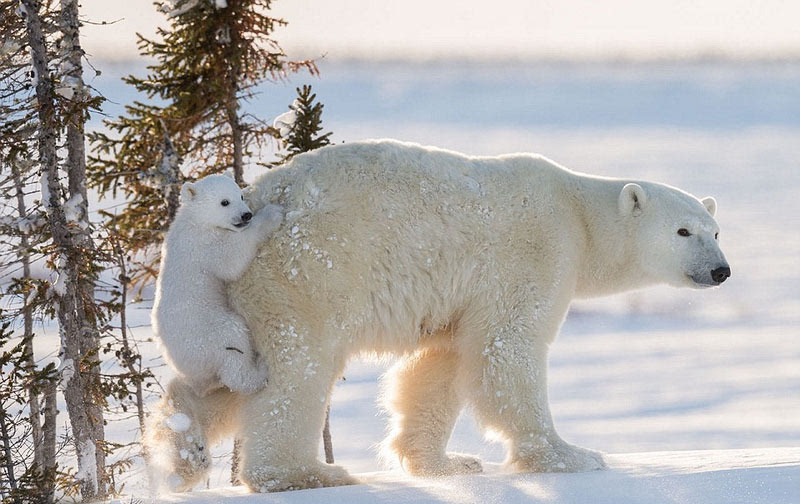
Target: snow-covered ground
[654, 371]
[765, 476]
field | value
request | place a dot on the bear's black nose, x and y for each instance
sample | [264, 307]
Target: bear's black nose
[721, 274]
[248, 215]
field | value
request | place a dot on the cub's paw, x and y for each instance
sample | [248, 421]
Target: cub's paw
[279, 479]
[244, 375]
[269, 218]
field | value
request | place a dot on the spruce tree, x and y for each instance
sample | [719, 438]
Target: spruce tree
[207, 63]
[300, 128]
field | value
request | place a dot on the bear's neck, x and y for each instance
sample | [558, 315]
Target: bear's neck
[610, 263]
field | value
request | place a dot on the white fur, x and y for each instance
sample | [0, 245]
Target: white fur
[463, 266]
[208, 245]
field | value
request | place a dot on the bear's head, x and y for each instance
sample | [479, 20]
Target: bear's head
[216, 201]
[676, 238]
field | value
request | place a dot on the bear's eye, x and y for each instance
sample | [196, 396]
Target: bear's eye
[242, 196]
[716, 236]
[684, 232]
[224, 202]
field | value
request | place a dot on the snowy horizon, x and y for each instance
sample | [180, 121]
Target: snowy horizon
[416, 30]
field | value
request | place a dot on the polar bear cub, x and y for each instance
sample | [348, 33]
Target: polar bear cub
[212, 240]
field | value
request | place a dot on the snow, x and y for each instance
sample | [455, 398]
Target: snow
[178, 8]
[285, 122]
[179, 422]
[69, 86]
[21, 11]
[72, 209]
[221, 4]
[45, 188]
[8, 47]
[66, 370]
[87, 464]
[60, 285]
[711, 477]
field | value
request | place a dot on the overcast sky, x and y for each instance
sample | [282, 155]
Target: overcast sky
[494, 28]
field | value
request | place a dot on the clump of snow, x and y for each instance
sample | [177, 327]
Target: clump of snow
[8, 47]
[285, 122]
[73, 211]
[179, 422]
[223, 35]
[45, 191]
[87, 463]
[60, 285]
[21, 11]
[69, 86]
[66, 370]
[174, 482]
[178, 8]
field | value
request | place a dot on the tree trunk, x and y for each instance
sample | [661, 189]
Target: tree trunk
[78, 336]
[49, 439]
[236, 134]
[326, 437]
[171, 177]
[232, 108]
[89, 338]
[27, 327]
[236, 462]
[8, 460]
[123, 323]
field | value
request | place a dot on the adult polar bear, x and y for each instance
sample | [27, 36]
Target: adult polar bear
[465, 267]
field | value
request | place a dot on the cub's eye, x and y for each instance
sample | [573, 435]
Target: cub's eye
[224, 202]
[716, 236]
[684, 232]
[242, 196]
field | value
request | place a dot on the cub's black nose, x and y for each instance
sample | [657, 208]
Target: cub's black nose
[248, 215]
[719, 275]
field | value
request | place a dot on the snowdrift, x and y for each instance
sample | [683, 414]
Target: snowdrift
[709, 477]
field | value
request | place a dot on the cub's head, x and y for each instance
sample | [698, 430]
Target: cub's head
[676, 236]
[216, 201]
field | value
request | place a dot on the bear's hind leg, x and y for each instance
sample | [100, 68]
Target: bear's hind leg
[181, 431]
[425, 406]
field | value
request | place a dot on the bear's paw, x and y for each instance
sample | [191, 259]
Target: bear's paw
[279, 479]
[559, 457]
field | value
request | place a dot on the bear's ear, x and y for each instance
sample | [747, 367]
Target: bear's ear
[188, 191]
[711, 205]
[632, 200]
[228, 173]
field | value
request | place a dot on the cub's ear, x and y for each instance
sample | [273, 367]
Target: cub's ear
[188, 191]
[228, 173]
[711, 205]
[632, 200]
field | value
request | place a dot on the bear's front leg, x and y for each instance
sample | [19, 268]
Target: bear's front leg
[509, 394]
[282, 424]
